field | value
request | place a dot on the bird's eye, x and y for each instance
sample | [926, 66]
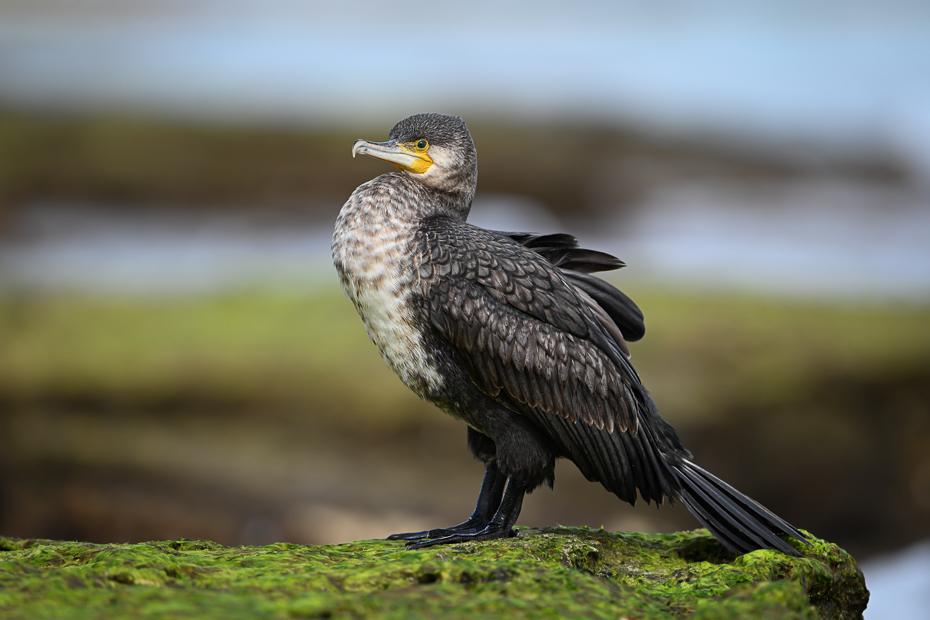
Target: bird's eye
[422, 144]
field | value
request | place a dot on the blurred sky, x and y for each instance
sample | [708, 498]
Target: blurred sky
[845, 74]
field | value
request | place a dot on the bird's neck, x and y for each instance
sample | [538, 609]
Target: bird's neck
[427, 201]
[457, 205]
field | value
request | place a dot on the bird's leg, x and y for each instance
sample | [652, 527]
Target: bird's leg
[489, 499]
[501, 526]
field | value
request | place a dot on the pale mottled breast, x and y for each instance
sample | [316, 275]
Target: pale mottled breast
[376, 257]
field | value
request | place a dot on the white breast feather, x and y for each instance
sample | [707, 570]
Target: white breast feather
[373, 252]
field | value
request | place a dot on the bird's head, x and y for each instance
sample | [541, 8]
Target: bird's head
[435, 150]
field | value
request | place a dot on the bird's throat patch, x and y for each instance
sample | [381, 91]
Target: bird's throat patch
[418, 164]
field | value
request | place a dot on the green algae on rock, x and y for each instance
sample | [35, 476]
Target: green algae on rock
[552, 572]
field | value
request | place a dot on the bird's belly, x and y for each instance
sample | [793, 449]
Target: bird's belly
[383, 295]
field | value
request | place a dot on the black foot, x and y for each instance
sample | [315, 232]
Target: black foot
[489, 500]
[469, 527]
[491, 532]
[501, 526]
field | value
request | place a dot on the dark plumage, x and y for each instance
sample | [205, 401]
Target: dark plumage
[510, 333]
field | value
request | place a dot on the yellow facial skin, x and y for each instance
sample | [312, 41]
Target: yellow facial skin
[408, 156]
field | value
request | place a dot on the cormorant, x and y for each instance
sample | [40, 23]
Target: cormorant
[510, 333]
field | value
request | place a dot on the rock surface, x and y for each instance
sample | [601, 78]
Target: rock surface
[552, 572]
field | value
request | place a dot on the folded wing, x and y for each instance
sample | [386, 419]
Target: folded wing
[540, 344]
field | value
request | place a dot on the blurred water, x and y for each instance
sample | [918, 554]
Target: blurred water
[813, 239]
[899, 584]
[157, 252]
[848, 76]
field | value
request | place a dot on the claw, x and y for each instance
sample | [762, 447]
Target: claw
[410, 535]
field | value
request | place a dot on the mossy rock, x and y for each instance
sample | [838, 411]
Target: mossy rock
[544, 573]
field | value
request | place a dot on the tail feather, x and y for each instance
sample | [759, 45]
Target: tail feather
[739, 522]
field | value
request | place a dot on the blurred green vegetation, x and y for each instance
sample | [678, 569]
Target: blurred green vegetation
[185, 416]
[706, 353]
[269, 350]
[703, 354]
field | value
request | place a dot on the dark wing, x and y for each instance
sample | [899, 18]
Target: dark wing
[577, 263]
[562, 250]
[531, 341]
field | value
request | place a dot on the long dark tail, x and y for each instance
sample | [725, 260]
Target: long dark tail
[739, 522]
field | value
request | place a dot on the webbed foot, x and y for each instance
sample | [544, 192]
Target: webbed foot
[492, 532]
[471, 526]
[476, 528]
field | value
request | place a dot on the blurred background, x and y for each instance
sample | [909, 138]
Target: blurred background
[177, 358]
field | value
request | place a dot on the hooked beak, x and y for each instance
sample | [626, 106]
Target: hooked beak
[394, 153]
